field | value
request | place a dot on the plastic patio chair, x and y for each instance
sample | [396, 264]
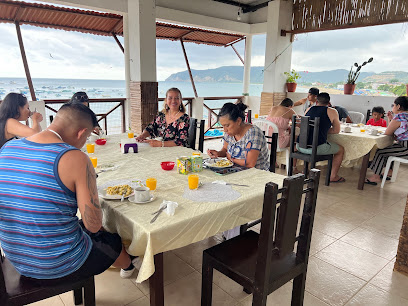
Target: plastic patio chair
[397, 161]
[356, 117]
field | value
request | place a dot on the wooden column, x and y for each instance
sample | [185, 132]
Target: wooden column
[118, 42]
[401, 262]
[188, 68]
[23, 56]
[143, 104]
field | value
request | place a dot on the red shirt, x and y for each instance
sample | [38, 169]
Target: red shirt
[380, 122]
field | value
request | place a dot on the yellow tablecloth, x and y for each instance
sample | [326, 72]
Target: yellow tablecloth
[192, 221]
[357, 144]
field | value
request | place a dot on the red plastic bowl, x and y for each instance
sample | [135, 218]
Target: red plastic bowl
[167, 165]
[100, 142]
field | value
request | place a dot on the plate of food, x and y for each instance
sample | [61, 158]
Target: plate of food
[114, 190]
[218, 163]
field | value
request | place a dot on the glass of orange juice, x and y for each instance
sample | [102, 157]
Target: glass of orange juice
[256, 116]
[193, 181]
[151, 183]
[362, 128]
[131, 134]
[90, 148]
[94, 161]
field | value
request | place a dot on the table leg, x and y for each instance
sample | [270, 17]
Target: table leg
[363, 171]
[156, 282]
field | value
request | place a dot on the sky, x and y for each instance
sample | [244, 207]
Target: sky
[60, 54]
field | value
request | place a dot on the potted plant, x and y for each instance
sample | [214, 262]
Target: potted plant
[353, 76]
[291, 78]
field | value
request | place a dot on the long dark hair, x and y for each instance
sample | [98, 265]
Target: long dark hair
[234, 111]
[10, 108]
[402, 101]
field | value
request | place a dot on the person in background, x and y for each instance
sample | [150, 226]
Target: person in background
[244, 143]
[377, 117]
[80, 97]
[13, 109]
[281, 115]
[398, 128]
[343, 113]
[39, 229]
[309, 100]
[171, 124]
[329, 124]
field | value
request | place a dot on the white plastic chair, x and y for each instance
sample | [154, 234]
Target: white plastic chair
[269, 128]
[356, 117]
[397, 161]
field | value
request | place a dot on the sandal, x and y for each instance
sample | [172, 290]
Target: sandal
[340, 180]
[367, 181]
[387, 179]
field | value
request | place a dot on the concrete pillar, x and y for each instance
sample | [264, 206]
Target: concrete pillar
[141, 36]
[247, 65]
[278, 53]
[198, 108]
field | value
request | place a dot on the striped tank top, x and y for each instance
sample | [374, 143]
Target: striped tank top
[39, 229]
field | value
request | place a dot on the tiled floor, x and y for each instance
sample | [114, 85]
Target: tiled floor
[352, 255]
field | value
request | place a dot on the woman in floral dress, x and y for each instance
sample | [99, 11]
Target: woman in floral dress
[171, 124]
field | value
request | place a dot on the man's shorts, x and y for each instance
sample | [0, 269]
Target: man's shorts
[106, 248]
[323, 149]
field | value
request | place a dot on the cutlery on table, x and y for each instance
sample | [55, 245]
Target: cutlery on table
[233, 184]
[123, 196]
[161, 209]
[157, 215]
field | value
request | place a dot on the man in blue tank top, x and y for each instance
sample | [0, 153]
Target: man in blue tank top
[329, 124]
[44, 180]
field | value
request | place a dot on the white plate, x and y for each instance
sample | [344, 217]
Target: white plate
[210, 162]
[102, 189]
[346, 132]
[132, 200]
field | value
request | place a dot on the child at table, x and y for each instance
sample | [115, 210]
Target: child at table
[377, 117]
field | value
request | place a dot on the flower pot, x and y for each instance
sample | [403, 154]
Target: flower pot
[349, 89]
[291, 87]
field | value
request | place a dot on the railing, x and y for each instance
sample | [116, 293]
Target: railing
[212, 117]
[120, 102]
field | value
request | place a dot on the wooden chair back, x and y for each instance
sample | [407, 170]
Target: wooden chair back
[309, 128]
[192, 134]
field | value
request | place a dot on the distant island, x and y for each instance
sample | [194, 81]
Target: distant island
[234, 74]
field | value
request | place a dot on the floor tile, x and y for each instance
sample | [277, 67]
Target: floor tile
[52, 301]
[384, 225]
[110, 289]
[187, 292]
[373, 296]
[372, 242]
[395, 212]
[394, 282]
[330, 284]
[283, 297]
[144, 301]
[229, 286]
[352, 259]
[351, 212]
[332, 226]
[319, 241]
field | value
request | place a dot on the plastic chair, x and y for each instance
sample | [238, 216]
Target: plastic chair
[356, 117]
[269, 128]
[397, 161]
[19, 290]
[264, 262]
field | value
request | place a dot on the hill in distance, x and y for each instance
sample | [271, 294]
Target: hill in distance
[234, 74]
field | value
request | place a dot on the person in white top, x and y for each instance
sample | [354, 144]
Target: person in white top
[310, 100]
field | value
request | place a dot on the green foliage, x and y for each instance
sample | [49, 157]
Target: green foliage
[394, 81]
[361, 85]
[353, 75]
[385, 87]
[292, 76]
[399, 90]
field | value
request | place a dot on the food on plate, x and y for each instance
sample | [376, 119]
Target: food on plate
[119, 190]
[223, 163]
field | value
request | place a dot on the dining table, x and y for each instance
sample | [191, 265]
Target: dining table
[359, 146]
[216, 206]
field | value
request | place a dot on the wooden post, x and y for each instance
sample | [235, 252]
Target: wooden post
[188, 68]
[23, 56]
[243, 63]
[401, 262]
[118, 42]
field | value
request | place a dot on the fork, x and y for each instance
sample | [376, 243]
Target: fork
[160, 210]
[157, 215]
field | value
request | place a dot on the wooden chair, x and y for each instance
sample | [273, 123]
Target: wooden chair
[263, 262]
[307, 126]
[19, 290]
[272, 141]
[192, 134]
[368, 115]
[249, 116]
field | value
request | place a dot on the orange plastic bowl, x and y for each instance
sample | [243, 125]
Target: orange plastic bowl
[100, 142]
[167, 165]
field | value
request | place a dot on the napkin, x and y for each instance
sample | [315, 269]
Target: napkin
[170, 207]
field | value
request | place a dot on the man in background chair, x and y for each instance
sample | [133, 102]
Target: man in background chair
[309, 100]
[343, 113]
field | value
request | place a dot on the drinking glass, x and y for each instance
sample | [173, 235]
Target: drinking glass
[151, 183]
[363, 129]
[131, 135]
[256, 116]
[193, 181]
[343, 120]
[90, 148]
[94, 161]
